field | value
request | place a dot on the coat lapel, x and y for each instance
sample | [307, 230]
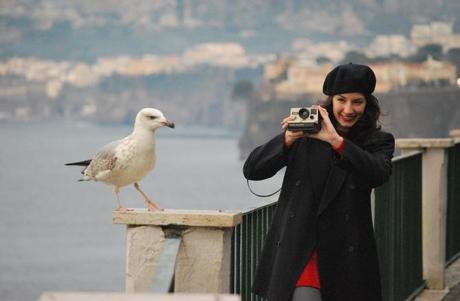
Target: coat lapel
[334, 182]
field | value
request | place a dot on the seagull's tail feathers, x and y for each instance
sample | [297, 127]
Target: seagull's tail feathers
[79, 163]
[84, 178]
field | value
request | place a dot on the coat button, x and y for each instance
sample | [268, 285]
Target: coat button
[352, 186]
[297, 183]
[347, 217]
[291, 215]
[351, 249]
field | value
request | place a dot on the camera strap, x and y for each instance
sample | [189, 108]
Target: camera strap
[261, 195]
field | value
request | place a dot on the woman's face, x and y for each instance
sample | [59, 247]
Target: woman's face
[348, 108]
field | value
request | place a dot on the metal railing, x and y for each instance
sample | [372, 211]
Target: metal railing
[398, 229]
[453, 204]
[247, 243]
[398, 234]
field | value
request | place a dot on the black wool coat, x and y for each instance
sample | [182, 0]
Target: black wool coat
[336, 220]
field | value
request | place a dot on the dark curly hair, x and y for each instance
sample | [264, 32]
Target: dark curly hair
[367, 124]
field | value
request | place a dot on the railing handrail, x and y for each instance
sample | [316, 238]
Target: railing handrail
[408, 155]
[258, 207]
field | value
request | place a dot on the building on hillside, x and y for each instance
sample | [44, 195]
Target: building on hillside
[387, 45]
[395, 75]
[292, 78]
[303, 79]
[277, 70]
[441, 33]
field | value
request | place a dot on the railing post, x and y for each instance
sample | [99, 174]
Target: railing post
[203, 260]
[434, 205]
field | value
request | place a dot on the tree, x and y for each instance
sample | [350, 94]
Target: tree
[435, 50]
[323, 60]
[243, 90]
[356, 57]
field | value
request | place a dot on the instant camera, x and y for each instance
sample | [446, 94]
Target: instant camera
[305, 119]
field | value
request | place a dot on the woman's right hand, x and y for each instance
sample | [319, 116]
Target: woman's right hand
[290, 136]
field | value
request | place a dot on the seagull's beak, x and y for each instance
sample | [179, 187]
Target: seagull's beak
[169, 124]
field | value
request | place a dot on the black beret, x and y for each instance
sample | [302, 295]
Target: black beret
[349, 78]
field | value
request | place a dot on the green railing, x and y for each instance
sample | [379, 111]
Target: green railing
[247, 242]
[398, 233]
[453, 204]
[398, 229]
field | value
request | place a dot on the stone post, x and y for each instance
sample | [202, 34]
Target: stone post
[455, 133]
[203, 260]
[434, 205]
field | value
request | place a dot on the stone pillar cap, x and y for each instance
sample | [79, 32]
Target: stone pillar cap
[455, 133]
[418, 143]
[195, 218]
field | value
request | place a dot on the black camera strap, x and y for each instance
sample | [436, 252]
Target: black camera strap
[261, 195]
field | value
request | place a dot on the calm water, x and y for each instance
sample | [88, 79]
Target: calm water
[56, 234]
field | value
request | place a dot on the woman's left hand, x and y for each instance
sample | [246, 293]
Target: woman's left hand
[327, 133]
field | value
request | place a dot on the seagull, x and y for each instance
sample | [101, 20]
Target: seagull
[128, 160]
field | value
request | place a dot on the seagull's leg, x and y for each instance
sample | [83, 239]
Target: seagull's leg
[151, 205]
[116, 190]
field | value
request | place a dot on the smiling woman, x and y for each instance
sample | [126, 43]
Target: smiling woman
[321, 244]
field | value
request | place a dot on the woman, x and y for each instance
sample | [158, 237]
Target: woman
[321, 243]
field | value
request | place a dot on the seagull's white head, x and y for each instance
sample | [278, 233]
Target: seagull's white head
[149, 118]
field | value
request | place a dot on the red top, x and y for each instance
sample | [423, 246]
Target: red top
[310, 275]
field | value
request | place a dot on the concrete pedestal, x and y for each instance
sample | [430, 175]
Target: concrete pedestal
[203, 261]
[434, 205]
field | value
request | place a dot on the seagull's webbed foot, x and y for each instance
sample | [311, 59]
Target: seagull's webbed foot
[151, 205]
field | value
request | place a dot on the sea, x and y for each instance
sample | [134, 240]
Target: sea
[56, 234]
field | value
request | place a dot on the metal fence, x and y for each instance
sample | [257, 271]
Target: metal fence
[247, 242]
[453, 204]
[397, 226]
[398, 229]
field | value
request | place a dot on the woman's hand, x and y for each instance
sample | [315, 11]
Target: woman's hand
[290, 136]
[327, 133]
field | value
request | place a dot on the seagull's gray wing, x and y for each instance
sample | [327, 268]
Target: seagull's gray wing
[104, 160]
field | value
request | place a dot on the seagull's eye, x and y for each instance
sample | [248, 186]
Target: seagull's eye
[151, 117]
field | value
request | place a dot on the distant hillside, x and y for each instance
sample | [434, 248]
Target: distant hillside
[87, 29]
[201, 96]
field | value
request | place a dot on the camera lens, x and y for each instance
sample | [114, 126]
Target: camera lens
[304, 113]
